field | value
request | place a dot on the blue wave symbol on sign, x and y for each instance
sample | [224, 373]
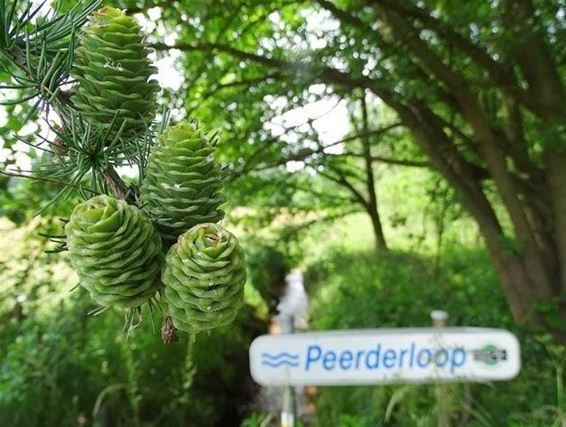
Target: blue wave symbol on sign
[280, 359]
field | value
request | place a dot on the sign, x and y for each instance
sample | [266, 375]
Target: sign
[382, 356]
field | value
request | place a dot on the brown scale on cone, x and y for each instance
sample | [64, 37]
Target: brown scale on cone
[169, 332]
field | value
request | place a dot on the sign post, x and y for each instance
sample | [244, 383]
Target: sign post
[289, 400]
[438, 318]
[385, 356]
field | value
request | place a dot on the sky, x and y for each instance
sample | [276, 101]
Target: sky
[330, 116]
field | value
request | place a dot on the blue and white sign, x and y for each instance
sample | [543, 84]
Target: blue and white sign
[381, 356]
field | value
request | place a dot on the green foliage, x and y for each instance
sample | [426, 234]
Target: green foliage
[250, 65]
[66, 369]
[361, 290]
[57, 356]
[38, 53]
[387, 292]
[20, 199]
[479, 88]
[267, 268]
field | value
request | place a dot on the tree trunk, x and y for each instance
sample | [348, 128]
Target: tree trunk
[380, 244]
[518, 287]
[525, 264]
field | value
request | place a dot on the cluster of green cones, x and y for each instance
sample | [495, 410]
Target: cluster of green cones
[121, 251]
[116, 248]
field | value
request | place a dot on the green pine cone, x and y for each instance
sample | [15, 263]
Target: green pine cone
[113, 73]
[204, 278]
[183, 181]
[116, 252]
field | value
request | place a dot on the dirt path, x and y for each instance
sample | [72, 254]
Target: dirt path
[293, 303]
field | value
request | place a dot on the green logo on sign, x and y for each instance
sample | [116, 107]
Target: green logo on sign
[490, 355]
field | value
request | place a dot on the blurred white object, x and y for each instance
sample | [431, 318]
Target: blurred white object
[295, 300]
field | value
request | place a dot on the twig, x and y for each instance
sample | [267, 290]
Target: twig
[48, 180]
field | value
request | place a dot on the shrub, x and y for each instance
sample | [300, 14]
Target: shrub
[362, 290]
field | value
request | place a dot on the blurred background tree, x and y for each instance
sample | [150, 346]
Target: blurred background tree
[477, 88]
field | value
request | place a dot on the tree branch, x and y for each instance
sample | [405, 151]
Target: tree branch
[48, 180]
[498, 71]
[372, 204]
[321, 195]
[545, 87]
[346, 17]
[392, 161]
[304, 154]
[244, 83]
[343, 181]
[330, 217]
[319, 72]
[207, 47]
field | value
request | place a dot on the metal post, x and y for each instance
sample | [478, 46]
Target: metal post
[438, 318]
[288, 414]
